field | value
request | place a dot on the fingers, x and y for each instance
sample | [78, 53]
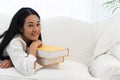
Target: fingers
[5, 64]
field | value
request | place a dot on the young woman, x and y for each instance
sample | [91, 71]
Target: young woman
[23, 32]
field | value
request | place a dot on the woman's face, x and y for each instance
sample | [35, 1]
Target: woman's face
[31, 29]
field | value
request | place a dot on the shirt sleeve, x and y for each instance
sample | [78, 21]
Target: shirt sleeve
[23, 62]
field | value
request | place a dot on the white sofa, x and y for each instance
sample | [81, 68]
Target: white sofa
[78, 36]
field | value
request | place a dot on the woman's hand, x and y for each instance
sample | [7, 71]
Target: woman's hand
[6, 64]
[34, 46]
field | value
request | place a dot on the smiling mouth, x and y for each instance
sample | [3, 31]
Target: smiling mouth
[35, 35]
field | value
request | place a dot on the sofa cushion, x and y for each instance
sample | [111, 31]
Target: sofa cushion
[68, 70]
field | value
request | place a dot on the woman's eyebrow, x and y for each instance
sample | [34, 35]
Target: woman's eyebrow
[29, 22]
[32, 22]
[38, 21]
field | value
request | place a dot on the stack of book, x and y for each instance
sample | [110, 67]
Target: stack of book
[51, 55]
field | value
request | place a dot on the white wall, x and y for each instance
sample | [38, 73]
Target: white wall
[78, 9]
[84, 10]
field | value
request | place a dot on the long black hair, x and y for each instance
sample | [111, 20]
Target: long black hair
[16, 23]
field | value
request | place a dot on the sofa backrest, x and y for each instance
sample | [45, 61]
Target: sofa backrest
[4, 22]
[71, 33]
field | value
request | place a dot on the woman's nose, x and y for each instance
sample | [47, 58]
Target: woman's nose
[35, 28]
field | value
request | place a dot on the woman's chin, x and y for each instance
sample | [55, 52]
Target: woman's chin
[34, 39]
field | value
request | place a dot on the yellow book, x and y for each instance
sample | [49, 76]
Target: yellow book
[47, 51]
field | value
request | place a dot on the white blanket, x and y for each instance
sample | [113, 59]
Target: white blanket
[108, 38]
[106, 67]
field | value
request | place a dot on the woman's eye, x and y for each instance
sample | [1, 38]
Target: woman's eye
[38, 24]
[30, 25]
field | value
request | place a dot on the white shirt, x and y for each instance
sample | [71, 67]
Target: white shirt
[23, 62]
